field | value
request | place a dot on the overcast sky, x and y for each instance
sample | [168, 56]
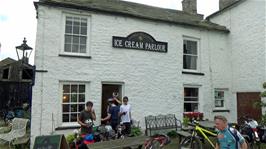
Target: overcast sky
[18, 20]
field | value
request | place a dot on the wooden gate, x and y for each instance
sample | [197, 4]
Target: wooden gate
[245, 105]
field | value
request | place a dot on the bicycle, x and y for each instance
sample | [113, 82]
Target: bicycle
[194, 141]
[156, 141]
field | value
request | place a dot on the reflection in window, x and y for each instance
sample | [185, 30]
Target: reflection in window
[191, 99]
[73, 101]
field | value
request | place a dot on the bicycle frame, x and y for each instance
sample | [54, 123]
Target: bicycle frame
[203, 132]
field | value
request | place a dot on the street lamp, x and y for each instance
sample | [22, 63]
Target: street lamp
[24, 51]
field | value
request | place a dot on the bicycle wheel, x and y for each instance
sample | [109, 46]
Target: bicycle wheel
[190, 143]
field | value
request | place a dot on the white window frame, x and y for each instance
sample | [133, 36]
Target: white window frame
[198, 97]
[225, 92]
[197, 40]
[62, 83]
[88, 41]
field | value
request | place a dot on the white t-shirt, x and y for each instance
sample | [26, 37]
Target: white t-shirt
[125, 108]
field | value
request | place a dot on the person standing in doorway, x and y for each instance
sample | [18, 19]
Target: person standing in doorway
[125, 113]
[113, 114]
[86, 118]
[228, 137]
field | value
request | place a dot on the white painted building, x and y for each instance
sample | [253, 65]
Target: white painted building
[76, 60]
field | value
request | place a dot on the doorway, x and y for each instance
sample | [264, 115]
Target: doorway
[107, 92]
[245, 105]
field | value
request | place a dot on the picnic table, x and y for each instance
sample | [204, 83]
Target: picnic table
[128, 142]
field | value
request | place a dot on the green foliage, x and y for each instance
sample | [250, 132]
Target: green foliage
[70, 138]
[264, 85]
[263, 120]
[172, 134]
[136, 131]
[263, 94]
[186, 121]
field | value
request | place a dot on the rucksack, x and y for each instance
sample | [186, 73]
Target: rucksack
[234, 134]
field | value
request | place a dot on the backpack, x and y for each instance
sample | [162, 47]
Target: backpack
[234, 134]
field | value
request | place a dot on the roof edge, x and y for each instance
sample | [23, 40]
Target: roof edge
[234, 4]
[66, 5]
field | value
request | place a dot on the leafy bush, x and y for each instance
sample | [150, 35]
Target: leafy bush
[172, 134]
[186, 121]
[264, 85]
[136, 131]
[70, 138]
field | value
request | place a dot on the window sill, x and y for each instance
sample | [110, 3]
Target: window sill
[220, 110]
[193, 73]
[75, 56]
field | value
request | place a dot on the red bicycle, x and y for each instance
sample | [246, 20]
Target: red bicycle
[156, 141]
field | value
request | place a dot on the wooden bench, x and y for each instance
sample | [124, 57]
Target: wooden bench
[161, 124]
[126, 143]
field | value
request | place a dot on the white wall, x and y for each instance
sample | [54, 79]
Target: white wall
[153, 81]
[246, 42]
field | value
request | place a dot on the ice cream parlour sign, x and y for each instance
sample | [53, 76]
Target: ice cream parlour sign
[139, 41]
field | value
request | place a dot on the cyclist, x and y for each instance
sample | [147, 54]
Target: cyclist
[228, 138]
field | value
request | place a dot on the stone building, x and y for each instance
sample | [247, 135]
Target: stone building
[165, 61]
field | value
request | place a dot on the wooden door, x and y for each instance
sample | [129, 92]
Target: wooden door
[245, 105]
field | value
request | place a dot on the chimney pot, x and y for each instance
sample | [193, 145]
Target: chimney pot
[190, 6]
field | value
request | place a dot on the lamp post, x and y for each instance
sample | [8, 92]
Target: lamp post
[24, 51]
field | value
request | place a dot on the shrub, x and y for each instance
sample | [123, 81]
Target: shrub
[186, 121]
[136, 131]
[70, 138]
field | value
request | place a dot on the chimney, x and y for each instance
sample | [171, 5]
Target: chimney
[190, 6]
[225, 3]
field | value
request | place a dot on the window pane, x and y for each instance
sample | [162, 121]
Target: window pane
[190, 92]
[83, 30]
[65, 98]
[66, 108]
[189, 62]
[76, 30]
[76, 40]
[81, 97]
[83, 22]
[68, 39]
[75, 48]
[81, 88]
[69, 20]
[82, 48]
[190, 107]
[81, 107]
[74, 88]
[67, 47]
[66, 88]
[76, 21]
[74, 98]
[74, 117]
[219, 103]
[74, 108]
[68, 29]
[190, 47]
[83, 40]
[65, 117]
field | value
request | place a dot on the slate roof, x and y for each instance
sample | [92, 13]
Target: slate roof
[117, 7]
[6, 61]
